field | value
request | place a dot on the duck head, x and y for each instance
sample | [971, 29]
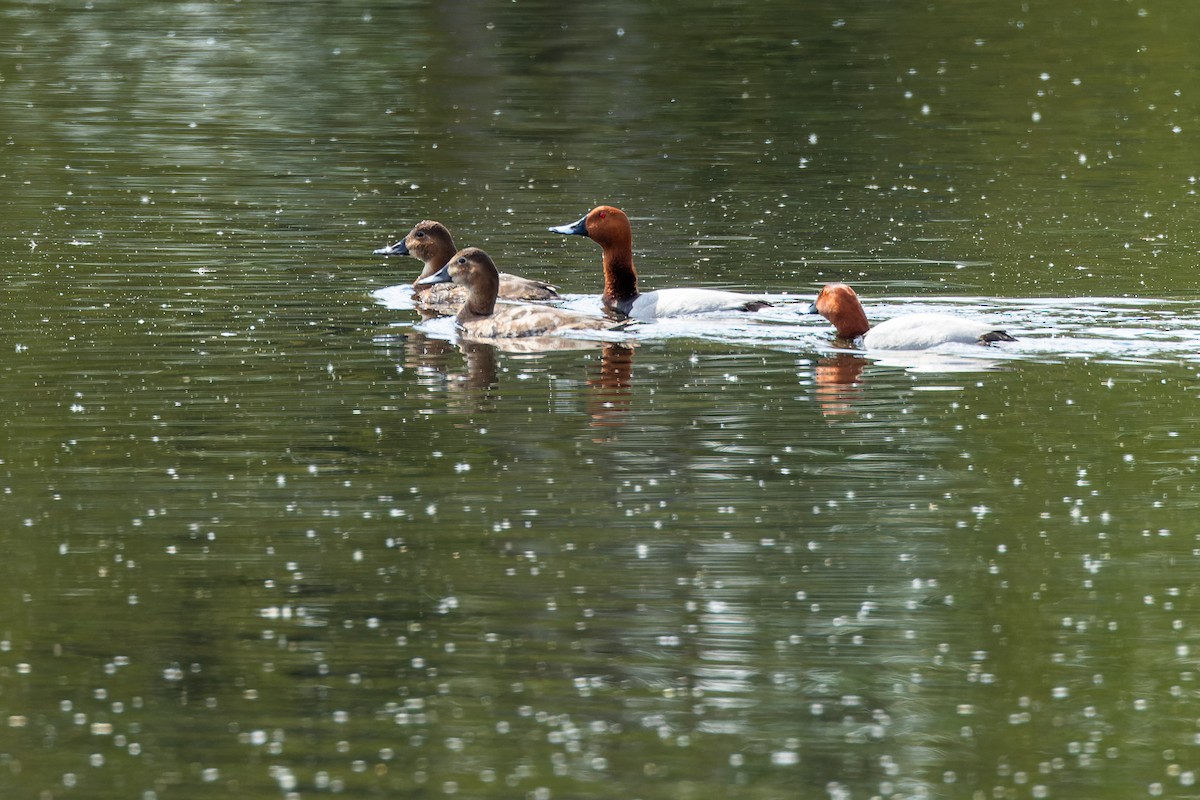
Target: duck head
[474, 269]
[429, 241]
[838, 303]
[608, 226]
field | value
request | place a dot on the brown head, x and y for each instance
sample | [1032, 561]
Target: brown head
[608, 227]
[838, 303]
[429, 241]
[474, 269]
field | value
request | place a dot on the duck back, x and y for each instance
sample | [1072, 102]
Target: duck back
[509, 321]
[921, 331]
[685, 302]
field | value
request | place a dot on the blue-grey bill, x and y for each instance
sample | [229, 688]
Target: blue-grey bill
[441, 276]
[578, 228]
[397, 249]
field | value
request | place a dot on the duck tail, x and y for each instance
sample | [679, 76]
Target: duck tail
[996, 336]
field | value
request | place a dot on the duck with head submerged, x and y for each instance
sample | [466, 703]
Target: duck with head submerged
[431, 242]
[609, 227]
[474, 270]
[838, 303]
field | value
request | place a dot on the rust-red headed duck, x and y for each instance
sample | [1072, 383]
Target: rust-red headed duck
[838, 303]
[479, 318]
[609, 227]
[432, 243]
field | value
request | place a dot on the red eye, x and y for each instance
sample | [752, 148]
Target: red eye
[602, 214]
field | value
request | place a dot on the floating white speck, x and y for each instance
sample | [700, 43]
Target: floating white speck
[284, 777]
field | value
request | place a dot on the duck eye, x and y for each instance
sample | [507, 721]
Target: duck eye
[419, 234]
[462, 261]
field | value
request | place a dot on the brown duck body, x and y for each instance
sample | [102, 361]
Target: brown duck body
[480, 317]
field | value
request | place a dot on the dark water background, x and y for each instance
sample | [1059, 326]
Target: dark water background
[265, 536]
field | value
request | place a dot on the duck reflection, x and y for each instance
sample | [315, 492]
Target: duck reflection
[532, 345]
[838, 380]
[423, 351]
[610, 385]
[839, 376]
[436, 362]
[481, 365]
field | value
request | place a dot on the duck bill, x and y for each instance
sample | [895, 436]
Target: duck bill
[578, 228]
[441, 276]
[812, 309]
[397, 249]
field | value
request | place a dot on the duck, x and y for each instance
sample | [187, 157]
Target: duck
[838, 303]
[431, 242]
[609, 227]
[474, 270]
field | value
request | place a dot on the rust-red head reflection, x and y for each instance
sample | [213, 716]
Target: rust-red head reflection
[609, 398]
[838, 383]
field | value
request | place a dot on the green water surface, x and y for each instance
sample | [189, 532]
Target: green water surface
[265, 536]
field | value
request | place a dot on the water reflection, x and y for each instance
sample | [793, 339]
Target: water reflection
[610, 384]
[470, 369]
[463, 369]
[837, 379]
